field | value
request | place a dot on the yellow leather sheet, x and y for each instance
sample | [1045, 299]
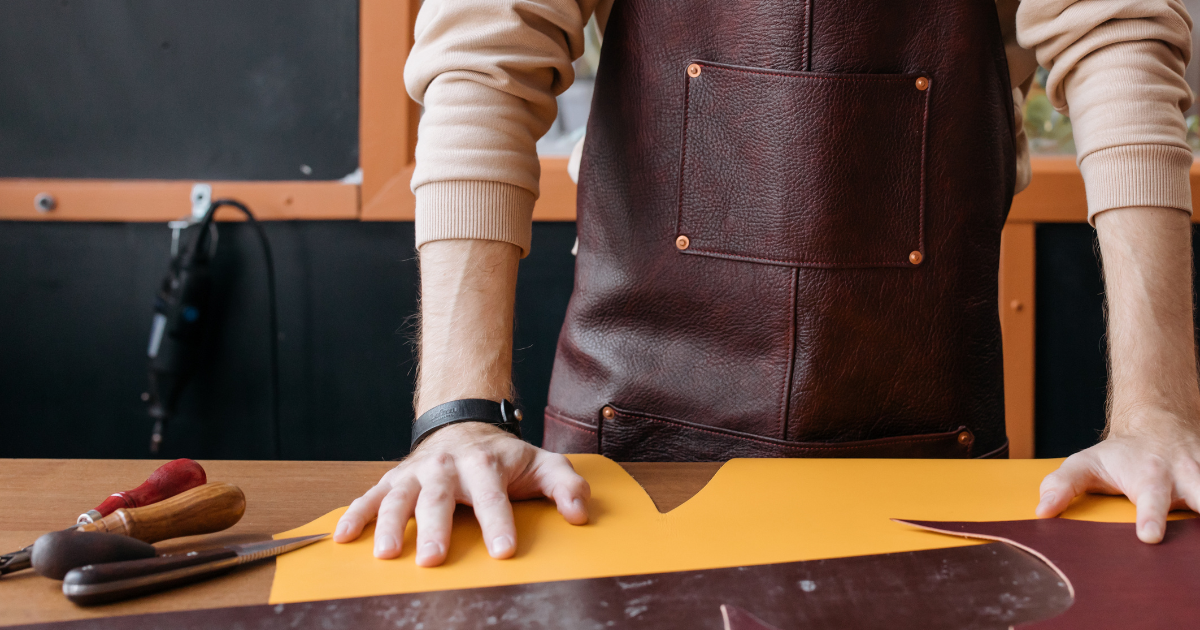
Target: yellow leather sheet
[754, 511]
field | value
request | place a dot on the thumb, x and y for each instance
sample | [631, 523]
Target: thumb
[1076, 476]
[558, 481]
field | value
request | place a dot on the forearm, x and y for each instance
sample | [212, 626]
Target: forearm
[1147, 255]
[468, 288]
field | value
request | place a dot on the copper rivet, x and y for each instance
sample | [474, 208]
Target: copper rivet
[682, 242]
[965, 437]
[922, 83]
[694, 70]
[609, 412]
[1016, 305]
[915, 258]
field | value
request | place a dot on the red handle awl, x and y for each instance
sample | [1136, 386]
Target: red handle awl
[169, 480]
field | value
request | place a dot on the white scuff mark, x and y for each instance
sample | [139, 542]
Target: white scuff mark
[808, 586]
[278, 608]
[633, 611]
[306, 169]
[628, 585]
[575, 159]
[354, 178]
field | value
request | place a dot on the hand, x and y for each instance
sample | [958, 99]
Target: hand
[1158, 469]
[474, 464]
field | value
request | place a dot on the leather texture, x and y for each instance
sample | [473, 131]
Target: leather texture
[804, 165]
[647, 438]
[1118, 581]
[859, 140]
[499, 414]
[984, 587]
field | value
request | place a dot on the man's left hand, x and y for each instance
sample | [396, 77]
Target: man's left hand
[1157, 467]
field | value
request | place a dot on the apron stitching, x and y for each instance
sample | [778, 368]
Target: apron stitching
[911, 440]
[793, 263]
[687, 91]
[785, 401]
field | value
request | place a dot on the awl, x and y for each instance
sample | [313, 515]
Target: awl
[114, 581]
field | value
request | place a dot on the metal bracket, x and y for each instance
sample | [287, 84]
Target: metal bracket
[201, 198]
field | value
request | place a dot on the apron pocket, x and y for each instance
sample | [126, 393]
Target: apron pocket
[631, 436]
[803, 169]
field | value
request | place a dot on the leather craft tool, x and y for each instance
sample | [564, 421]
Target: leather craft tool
[203, 510]
[56, 553]
[169, 480]
[114, 581]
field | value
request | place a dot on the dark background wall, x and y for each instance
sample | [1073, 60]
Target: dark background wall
[219, 89]
[75, 310]
[1071, 373]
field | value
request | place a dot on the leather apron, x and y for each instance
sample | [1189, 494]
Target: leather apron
[789, 221]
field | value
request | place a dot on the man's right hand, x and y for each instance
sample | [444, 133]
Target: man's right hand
[474, 464]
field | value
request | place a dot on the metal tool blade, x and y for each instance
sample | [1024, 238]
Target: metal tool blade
[16, 560]
[257, 551]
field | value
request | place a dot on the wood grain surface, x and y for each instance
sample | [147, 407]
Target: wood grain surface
[39, 495]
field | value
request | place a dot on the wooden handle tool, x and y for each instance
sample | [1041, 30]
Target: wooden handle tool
[114, 581]
[201, 510]
[168, 480]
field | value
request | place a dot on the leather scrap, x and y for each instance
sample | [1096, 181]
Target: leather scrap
[986, 587]
[1117, 580]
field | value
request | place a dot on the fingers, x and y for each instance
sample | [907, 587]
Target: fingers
[394, 511]
[435, 516]
[558, 480]
[1153, 503]
[1060, 487]
[360, 512]
[482, 482]
[1187, 483]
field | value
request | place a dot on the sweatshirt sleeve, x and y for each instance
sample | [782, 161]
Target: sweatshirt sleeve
[487, 73]
[1117, 68]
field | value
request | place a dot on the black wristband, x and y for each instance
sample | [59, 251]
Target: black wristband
[501, 414]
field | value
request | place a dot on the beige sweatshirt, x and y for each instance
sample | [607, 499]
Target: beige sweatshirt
[488, 72]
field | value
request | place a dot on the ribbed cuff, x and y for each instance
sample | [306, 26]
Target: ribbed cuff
[490, 211]
[1139, 175]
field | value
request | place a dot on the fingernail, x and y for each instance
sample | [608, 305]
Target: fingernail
[577, 504]
[1046, 500]
[1151, 532]
[343, 528]
[384, 544]
[500, 545]
[429, 550]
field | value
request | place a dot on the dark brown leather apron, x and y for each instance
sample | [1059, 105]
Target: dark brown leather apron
[789, 231]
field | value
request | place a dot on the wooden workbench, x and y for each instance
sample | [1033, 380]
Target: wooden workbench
[39, 495]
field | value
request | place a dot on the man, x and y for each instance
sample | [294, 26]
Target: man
[789, 219]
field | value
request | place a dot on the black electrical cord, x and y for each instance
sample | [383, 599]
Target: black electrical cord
[276, 437]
